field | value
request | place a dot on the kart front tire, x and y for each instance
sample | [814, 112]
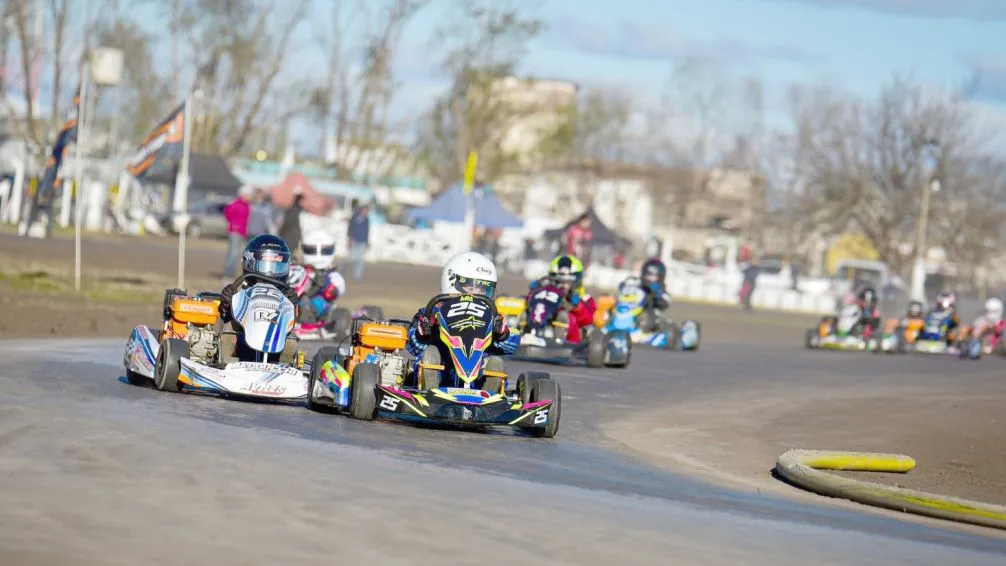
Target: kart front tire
[673, 336]
[597, 347]
[548, 390]
[526, 381]
[169, 364]
[340, 322]
[811, 338]
[363, 396]
[320, 357]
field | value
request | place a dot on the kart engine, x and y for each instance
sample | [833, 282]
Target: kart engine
[393, 366]
[203, 343]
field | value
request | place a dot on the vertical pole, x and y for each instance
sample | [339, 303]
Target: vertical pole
[77, 170]
[182, 189]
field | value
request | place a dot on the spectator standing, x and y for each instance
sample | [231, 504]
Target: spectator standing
[579, 238]
[237, 213]
[359, 238]
[260, 218]
[290, 229]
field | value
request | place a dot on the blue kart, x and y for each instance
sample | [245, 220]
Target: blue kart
[634, 314]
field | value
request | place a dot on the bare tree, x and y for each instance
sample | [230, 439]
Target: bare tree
[23, 19]
[143, 92]
[866, 162]
[363, 98]
[240, 46]
[60, 11]
[684, 132]
[483, 48]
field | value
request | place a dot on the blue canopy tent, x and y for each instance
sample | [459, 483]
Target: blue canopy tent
[451, 204]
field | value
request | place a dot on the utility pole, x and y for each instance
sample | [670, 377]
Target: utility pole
[929, 186]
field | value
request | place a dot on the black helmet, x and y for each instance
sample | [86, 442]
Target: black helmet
[653, 270]
[868, 295]
[268, 256]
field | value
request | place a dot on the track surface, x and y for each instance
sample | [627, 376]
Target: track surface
[100, 472]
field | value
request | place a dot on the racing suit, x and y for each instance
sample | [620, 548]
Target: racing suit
[985, 323]
[318, 289]
[422, 333]
[661, 300]
[953, 323]
[229, 344]
[581, 307]
[227, 293]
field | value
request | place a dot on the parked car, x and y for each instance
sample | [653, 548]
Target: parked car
[206, 220]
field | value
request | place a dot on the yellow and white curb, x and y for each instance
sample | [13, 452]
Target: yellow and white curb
[802, 468]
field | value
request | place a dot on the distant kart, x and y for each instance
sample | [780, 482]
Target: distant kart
[193, 352]
[844, 332]
[543, 327]
[932, 336]
[900, 334]
[512, 309]
[633, 310]
[377, 377]
[338, 324]
[988, 341]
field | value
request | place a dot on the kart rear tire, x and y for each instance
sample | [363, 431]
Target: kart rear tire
[363, 392]
[597, 347]
[698, 336]
[340, 322]
[628, 353]
[320, 357]
[169, 364]
[373, 312]
[526, 381]
[548, 390]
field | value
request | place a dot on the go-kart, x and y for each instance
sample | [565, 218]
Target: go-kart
[378, 375]
[847, 331]
[933, 336]
[633, 313]
[976, 342]
[900, 334]
[337, 324]
[511, 308]
[543, 328]
[192, 351]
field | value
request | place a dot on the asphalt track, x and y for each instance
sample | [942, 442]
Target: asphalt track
[96, 471]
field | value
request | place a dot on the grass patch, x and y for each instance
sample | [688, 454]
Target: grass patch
[108, 291]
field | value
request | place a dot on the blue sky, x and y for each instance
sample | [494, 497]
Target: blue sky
[855, 45]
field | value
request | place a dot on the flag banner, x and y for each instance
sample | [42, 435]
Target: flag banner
[161, 151]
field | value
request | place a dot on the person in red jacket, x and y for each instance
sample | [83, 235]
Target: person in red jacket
[566, 273]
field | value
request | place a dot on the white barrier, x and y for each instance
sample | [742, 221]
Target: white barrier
[396, 243]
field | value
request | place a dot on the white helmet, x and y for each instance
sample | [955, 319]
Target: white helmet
[994, 306]
[469, 273]
[318, 248]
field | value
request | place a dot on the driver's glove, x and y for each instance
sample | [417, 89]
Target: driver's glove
[424, 327]
[500, 329]
[226, 294]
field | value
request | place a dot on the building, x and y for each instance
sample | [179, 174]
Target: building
[535, 108]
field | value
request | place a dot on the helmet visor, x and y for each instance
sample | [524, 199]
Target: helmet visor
[270, 263]
[312, 249]
[470, 286]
